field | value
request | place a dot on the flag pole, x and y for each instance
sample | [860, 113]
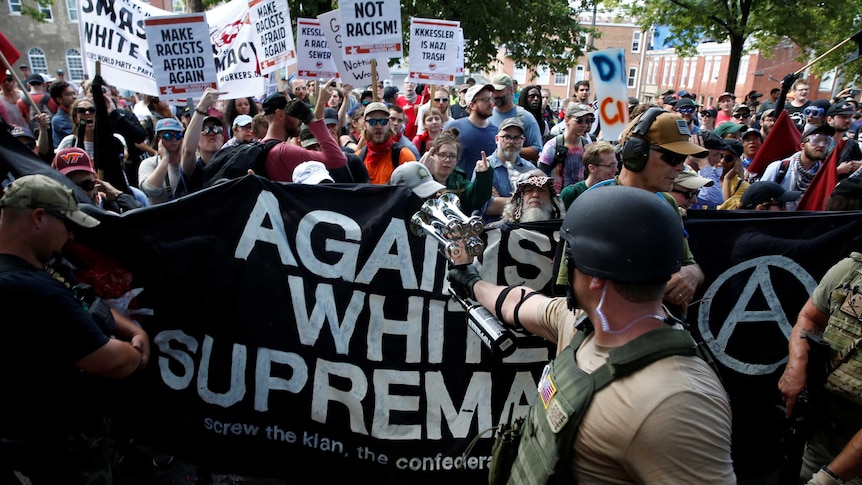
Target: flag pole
[20, 84]
[830, 51]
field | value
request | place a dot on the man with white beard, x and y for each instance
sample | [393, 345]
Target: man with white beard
[508, 168]
[534, 200]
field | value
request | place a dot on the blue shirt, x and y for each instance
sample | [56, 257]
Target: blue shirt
[61, 126]
[531, 127]
[501, 181]
[474, 141]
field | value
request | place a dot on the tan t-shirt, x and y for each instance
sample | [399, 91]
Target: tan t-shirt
[669, 423]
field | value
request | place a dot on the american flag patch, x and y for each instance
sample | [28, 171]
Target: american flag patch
[547, 389]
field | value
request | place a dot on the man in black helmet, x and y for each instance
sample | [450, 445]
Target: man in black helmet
[669, 421]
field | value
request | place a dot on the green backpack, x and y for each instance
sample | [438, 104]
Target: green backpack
[544, 458]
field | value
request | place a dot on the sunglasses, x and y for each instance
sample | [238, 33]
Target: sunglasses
[82, 111]
[377, 121]
[171, 135]
[688, 194]
[87, 185]
[813, 111]
[687, 110]
[742, 116]
[8, 80]
[588, 120]
[441, 100]
[669, 157]
[366, 103]
[212, 130]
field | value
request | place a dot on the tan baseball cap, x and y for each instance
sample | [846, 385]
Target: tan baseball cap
[670, 132]
[40, 191]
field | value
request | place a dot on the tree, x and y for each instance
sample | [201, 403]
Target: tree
[754, 24]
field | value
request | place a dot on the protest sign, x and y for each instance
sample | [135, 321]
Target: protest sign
[180, 48]
[113, 34]
[356, 72]
[315, 57]
[271, 19]
[433, 51]
[371, 29]
[609, 78]
[459, 55]
[236, 50]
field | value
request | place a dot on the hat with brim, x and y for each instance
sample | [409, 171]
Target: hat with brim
[670, 132]
[766, 191]
[378, 106]
[415, 176]
[729, 127]
[330, 116]
[690, 180]
[311, 172]
[72, 159]
[42, 192]
[819, 130]
[242, 120]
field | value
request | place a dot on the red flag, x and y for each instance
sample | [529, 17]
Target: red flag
[824, 181]
[9, 51]
[782, 141]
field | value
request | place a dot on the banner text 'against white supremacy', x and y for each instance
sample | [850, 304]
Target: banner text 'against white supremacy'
[379, 384]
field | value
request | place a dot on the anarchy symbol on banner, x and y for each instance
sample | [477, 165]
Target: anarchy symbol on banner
[760, 278]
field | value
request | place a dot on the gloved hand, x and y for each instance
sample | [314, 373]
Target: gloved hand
[787, 82]
[300, 110]
[463, 277]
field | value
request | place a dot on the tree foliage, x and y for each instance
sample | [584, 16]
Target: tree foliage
[814, 25]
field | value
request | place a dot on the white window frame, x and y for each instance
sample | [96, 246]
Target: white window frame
[631, 80]
[707, 68]
[716, 67]
[543, 75]
[47, 12]
[37, 59]
[72, 10]
[692, 71]
[14, 7]
[557, 77]
[580, 73]
[637, 35]
[74, 65]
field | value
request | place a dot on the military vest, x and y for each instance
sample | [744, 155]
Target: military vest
[565, 393]
[844, 334]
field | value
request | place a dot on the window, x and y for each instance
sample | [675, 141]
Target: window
[742, 72]
[15, 7]
[519, 75]
[653, 67]
[716, 67]
[633, 77]
[543, 75]
[636, 41]
[38, 62]
[74, 65]
[827, 81]
[47, 12]
[579, 73]
[72, 10]
[665, 72]
[683, 76]
[707, 68]
[691, 72]
[561, 79]
[178, 6]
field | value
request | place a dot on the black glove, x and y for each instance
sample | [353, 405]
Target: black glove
[420, 88]
[300, 110]
[787, 82]
[463, 277]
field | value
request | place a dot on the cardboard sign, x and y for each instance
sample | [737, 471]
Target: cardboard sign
[609, 68]
[356, 72]
[371, 29]
[182, 55]
[272, 25]
[236, 48]
[315, 57]
[433, 51]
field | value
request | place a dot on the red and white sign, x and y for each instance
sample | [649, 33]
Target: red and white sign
[181, 53]
[315, 57]
[271, 21]
[371, 29]
[433, 51]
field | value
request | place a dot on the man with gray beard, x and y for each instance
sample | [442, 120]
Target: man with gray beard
[534, 200]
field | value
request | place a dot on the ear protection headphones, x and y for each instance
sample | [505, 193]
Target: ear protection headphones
[635, 151]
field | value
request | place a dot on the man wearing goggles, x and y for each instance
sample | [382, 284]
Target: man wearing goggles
[797, 172]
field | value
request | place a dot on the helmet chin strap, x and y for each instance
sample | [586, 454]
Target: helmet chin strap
[603, 319]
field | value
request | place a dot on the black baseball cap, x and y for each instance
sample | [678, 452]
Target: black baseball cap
[273, 102]
[766, 191]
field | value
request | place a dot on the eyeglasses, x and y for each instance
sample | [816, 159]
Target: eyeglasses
[815, 111]
[687, 110]
[212, 130]
[171, 135]
[377, 121]
[441, 100]
[486, 99]
[587, 119]
[742, 116]
[688, 194]
[818, 140]
[511, 138]
[669, 157]
[87, 185]
[82, 111]
[447, 156]
[606, 165]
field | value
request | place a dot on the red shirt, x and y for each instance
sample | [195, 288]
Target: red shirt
[284, 157]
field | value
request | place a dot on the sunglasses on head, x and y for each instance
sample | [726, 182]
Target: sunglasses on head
[669, 157]
[212, 129]
[686, 110]
[171, 135]
[81, 111]
[378, 121]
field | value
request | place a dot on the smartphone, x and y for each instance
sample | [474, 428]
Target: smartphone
[854, 93]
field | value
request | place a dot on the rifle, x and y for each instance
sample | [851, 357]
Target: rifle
[807, 404]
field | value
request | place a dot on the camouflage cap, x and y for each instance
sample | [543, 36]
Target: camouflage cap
[40, 191]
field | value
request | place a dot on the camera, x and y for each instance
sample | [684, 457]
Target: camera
[98, 310]
[854, 93]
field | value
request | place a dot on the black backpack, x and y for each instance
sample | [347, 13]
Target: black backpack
[235, 161]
